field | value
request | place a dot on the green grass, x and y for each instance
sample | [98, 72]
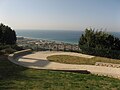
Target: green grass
[80, 60]
[14, 77]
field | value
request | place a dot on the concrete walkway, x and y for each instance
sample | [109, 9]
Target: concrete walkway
[39, 60]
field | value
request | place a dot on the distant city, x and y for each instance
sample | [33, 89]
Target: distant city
[40, 45]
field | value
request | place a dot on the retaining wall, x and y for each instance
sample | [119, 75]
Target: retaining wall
[20, 53]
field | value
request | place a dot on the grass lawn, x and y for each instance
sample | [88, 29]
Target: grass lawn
[14, 77]
[80, 60]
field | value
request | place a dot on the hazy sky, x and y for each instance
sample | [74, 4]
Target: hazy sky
[61, 14]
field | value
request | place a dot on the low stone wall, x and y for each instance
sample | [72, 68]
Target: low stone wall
[20, 53]
[107, 64]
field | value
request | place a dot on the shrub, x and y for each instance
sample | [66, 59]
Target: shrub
[18, 48]
[8, 51]
[101, 52]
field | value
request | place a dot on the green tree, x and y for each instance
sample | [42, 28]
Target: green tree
[99, 39]
[7, 35]
[99, 43]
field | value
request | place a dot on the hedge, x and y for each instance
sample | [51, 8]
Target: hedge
[101, 52]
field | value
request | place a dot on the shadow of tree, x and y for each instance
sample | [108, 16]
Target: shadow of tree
[9, 69]
[36, 62]
[76, 71]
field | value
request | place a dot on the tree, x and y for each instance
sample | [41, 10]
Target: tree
[99, 39]
[0, 34]
[100, 43]
[7, 35]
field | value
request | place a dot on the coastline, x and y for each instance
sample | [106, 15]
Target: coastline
[49, 40]
[44, 44]
[71, 37]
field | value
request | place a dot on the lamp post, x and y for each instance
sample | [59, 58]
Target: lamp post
[37, 46]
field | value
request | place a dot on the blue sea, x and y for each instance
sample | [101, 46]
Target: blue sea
[56, 35]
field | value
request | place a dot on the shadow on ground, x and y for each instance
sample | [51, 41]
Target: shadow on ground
[9, 69]
[43, 63]
[34, 62]
[76, 71]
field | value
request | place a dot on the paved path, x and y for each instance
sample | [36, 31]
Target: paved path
[39, 61]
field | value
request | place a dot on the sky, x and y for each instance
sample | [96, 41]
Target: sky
[61, 14]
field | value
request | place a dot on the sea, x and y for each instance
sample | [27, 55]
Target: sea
[66, 36]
